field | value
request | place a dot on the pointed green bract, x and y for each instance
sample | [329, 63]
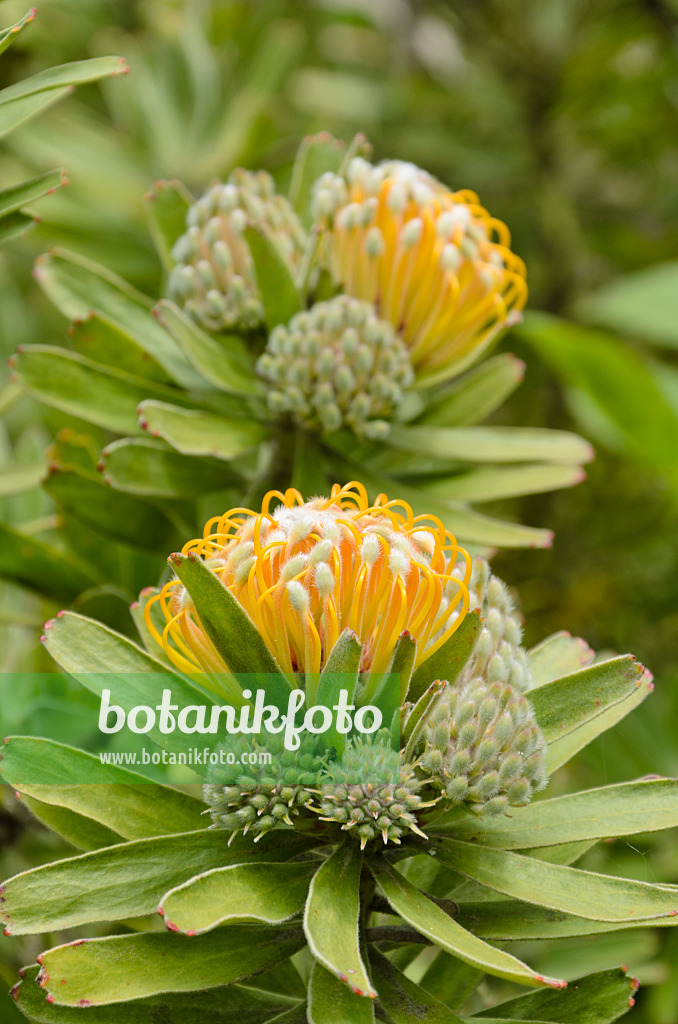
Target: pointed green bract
[424, 915]
[127, 967]
[270, 893]
[105, 343]
[558, 655]
[492, 444]
[331, 918]
[230, 628]
[279, 294]
[475, 395]
[150, 468]
[595, 999]
[81, 832]
[167, 204]
[224, 363]
[449, 660]
[341, 672]
[14, 198]
[316, 155]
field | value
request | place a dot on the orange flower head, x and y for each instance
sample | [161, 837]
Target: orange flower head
[433, 262]
[306, 571]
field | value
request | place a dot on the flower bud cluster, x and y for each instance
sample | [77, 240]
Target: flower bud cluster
[337, 364]
[370, 793]
[257, 797]
[214, 278]
[483, 747]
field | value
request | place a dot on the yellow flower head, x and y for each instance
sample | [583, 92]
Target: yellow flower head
[307, 570]
[433, 262]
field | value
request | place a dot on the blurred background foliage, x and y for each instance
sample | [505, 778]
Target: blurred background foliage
[563, 116]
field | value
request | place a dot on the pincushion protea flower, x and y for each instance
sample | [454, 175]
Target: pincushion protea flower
[432, 262]
[309, 570]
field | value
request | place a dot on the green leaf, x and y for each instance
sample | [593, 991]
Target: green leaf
[341, 672]
[497, 482]
[148, 467]
[127, 967]
[14, 198]
[616, 379]
[39, 567]
[428, 918]
[492, 444]
[271, 893]
[75, 385]
[625, 809]
[571, 890]
[449, 660]
[405, 1002]
[331, 918]
[391, 689]
[596, 999]
[117, 798]
[167, 204]
[473, 527]
[476, 395]
[567, 703]
[192, 432]
[100, 658]
[509, 920]
[81, 832]
[330, 1001]
[77, 286]
[219, 1006]
[225, 363]
[558, 655]
[76, 73]
[14, 225]
[112, 513]
[16, 112]
[277, 289]
[8, 35]
[128, 880]
[317, 155]
[137, 611]
[643, 304]
[230, 628]
[103, 342]
[451, 980]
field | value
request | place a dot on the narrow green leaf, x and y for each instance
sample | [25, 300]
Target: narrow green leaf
[77, 286]
[625, 809]
[112, 513]
[103, 342]
[145, 466]
[596, 999]
[497, 482]
[558, 655]
[117, 798]
[449, 660]
[404, 1001]
[127, 967]
[317, 155]
[18, 479]
[16, 112]
[271, 893]
[192, 432]
[77, 73]
[129, 880]
[428, 918]
[14, 225]
[230, 628]
[582, 893]
[509, 920]
[39, 567]
[81, 832]
[245, 1004]
[449, 979]
[476, 395]
[12, 199]
[225, 363]
[167, 204]
[278, 291]
[341, 672]
[332, 915]
[567, 703]
[8, 35]
[391, 690]
[75, 385]
[330, 1001]
[492, 444]
[473, 527]
[642, 304]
